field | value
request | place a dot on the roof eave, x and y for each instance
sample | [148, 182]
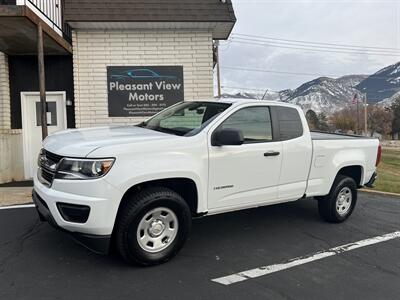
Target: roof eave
[220, 29]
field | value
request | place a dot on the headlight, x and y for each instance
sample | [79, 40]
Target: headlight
[71, 168]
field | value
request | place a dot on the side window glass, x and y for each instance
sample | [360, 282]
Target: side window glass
[254, 122]
[290, 125]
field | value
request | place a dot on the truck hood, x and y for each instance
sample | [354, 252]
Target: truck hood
[80, 142]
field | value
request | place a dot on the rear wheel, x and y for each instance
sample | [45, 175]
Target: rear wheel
[339, 204]
[153, 226]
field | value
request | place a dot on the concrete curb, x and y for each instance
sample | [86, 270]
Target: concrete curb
[380, 192]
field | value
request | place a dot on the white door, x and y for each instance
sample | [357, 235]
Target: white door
[245, 175]
[31, 124]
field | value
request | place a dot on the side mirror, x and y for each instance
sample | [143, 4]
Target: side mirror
[227, 137]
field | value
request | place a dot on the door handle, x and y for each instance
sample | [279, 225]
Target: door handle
[271, 153]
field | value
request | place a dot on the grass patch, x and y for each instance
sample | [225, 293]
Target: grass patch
[389, 172]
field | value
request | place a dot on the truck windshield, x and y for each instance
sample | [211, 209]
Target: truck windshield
[185, 118]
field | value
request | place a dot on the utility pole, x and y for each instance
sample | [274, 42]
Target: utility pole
[42, 84]
[218, 68]
[365, 115]
[358, 118]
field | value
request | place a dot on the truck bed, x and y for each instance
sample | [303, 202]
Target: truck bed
[317, 135]
[333, 152]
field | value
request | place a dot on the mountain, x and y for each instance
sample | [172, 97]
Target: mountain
[237, 94]
[325, 94]
[328, 95]
[388, 101]
[381, 85]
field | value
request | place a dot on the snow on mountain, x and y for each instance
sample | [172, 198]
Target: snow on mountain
[328, 95]
[387, 103]
[325, 94]
[237, 94]
[381, 85]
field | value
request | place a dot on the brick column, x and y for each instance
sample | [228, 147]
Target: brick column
[11, 155]
[5, 120]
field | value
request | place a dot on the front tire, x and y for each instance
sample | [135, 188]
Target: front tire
[153, 226]
[339, 204]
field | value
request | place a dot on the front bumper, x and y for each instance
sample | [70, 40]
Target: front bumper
[97, 243]
[98, 196]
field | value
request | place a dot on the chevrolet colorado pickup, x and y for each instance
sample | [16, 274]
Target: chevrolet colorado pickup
[138, 187]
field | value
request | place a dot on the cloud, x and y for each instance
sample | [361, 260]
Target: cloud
[367, 23]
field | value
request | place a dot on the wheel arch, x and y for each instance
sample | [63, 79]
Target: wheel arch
[186, 187]
[356, 172]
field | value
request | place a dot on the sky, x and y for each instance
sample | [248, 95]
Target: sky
[374, 23]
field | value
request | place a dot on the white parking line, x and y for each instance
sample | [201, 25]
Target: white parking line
[17, 206]
[265, 270]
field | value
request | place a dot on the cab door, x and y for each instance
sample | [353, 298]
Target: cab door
[297, 149]
[245, 175]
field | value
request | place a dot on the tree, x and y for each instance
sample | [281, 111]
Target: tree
[396, 116]
[323, 122]
[379, 120]
[312, 119]
[344, 120]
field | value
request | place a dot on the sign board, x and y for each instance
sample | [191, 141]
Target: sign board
[140, 91]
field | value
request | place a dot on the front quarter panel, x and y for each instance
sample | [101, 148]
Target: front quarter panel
[183, 157]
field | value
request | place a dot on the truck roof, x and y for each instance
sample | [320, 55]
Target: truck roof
[237, 101]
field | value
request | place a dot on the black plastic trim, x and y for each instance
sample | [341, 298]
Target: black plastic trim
[99, 244]
[371, 182]
[73, 213]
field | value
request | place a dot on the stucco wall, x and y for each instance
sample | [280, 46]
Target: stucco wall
[94, 50]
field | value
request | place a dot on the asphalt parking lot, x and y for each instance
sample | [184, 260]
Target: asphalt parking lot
[38, 262]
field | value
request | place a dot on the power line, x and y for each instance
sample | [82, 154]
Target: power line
[333, 76]
[278, 72]
[241, 88]
[394, 2]
[249, 42]
[311, 47]
[249, 89]
[321, 44]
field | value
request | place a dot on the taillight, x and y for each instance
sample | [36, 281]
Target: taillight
[378, 156]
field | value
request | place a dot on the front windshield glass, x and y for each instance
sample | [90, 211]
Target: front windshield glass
[185, 118]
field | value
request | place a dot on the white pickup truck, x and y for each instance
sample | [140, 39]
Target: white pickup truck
[140, 186]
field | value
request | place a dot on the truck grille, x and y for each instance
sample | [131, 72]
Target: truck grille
[53, 157]
[47, 166]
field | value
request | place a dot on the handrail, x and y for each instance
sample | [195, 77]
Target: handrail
[53, 10]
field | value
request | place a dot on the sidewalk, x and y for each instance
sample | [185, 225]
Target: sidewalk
[15, 195]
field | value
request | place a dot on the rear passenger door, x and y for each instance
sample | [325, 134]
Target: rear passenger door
[296, 152]
[248, 174]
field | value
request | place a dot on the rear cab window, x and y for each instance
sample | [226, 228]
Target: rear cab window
[288, 122]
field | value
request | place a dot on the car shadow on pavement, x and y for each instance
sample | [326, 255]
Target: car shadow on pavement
[211, 237]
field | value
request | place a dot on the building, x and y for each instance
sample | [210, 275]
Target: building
[105, 62]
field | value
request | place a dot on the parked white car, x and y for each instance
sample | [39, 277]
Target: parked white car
[140, 186]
